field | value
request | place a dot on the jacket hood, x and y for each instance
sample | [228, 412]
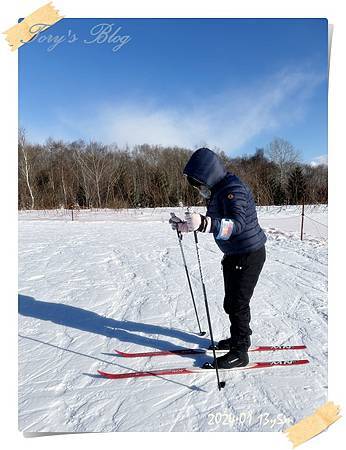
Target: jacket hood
[206, 167]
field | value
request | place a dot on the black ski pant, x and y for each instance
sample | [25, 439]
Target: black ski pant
[240, 273]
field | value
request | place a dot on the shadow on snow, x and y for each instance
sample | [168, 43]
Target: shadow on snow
[123, 330]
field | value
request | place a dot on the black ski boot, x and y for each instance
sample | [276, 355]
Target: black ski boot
[234, 358]
[224, 344]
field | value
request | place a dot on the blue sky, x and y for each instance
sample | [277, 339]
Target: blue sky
[232, 84]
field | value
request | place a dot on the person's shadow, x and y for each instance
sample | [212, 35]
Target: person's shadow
[123, 330]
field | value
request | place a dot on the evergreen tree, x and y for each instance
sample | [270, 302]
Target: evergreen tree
[296, 185]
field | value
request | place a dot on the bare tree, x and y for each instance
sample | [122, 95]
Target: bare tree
[284, 155]
[25, 163]
[93, 164]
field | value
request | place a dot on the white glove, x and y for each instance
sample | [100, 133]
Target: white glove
[198, 222]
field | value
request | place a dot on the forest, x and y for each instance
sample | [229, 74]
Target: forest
[81, 174]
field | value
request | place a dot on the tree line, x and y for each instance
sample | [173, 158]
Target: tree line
[93, 175]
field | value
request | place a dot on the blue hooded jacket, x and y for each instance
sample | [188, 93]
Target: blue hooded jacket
[231, 206]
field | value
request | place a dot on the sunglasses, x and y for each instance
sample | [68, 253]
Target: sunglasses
[193, 182]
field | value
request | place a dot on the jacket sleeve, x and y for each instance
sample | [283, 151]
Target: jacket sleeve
[234, 202]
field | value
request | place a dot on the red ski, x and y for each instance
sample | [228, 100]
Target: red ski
[202, 351]
[199, 370]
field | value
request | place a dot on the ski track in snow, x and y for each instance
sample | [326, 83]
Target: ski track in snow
[109, 281]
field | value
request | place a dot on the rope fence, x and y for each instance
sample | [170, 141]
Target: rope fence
[320, 223]
[303, 215]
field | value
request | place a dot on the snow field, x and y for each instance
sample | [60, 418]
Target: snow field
[116, 280]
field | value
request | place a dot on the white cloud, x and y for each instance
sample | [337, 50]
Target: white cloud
[322, 159]
[227, 120]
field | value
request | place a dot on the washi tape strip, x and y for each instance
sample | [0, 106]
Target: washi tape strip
[39, 20]
[312, 425]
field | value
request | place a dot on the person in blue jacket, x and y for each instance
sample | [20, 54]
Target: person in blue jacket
[232, 218]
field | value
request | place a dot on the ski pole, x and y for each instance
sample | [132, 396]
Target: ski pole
[220, 384]
[180, 237]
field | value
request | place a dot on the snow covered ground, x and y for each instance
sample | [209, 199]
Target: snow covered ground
[115, 280]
